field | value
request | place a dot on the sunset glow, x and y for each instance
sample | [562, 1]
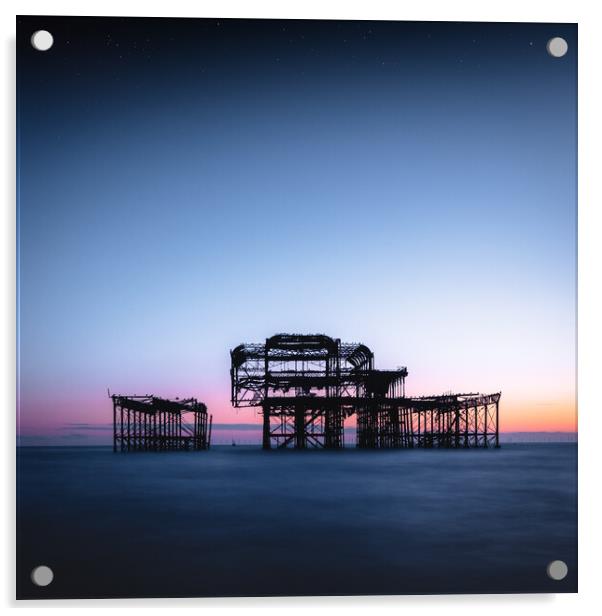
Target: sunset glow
[418, 206]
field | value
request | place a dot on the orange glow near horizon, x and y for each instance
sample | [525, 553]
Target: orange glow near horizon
[64, 414]
[544, 416]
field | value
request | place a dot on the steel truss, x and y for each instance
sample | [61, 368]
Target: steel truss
[148, 423]
[452, 421]
[307, 385]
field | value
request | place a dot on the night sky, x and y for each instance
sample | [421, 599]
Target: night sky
[185, 185]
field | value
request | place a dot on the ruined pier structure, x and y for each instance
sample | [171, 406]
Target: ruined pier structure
[148, 423]
[307, 385]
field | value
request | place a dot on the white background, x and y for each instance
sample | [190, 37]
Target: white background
[587, 15]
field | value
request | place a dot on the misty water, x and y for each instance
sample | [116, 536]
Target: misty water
[240, 521]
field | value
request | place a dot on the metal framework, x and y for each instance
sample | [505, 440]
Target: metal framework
[148, 423]
[450, 421]
[307, 385]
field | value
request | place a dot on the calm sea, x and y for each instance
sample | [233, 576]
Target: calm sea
[240, 521]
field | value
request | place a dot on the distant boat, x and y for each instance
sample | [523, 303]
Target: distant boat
[233, 443]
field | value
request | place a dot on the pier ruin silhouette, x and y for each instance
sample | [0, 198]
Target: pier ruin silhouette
[149, 423]
[307, 385]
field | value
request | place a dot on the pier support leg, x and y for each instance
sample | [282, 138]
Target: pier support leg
[114, 426]
[299, 427]
[497, 423]
[266, 427]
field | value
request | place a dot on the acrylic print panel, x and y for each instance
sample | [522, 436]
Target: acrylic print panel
[296, 307]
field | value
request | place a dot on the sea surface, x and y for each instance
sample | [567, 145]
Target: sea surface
[241, 521]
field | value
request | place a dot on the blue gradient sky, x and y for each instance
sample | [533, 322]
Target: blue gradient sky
[186, 185]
